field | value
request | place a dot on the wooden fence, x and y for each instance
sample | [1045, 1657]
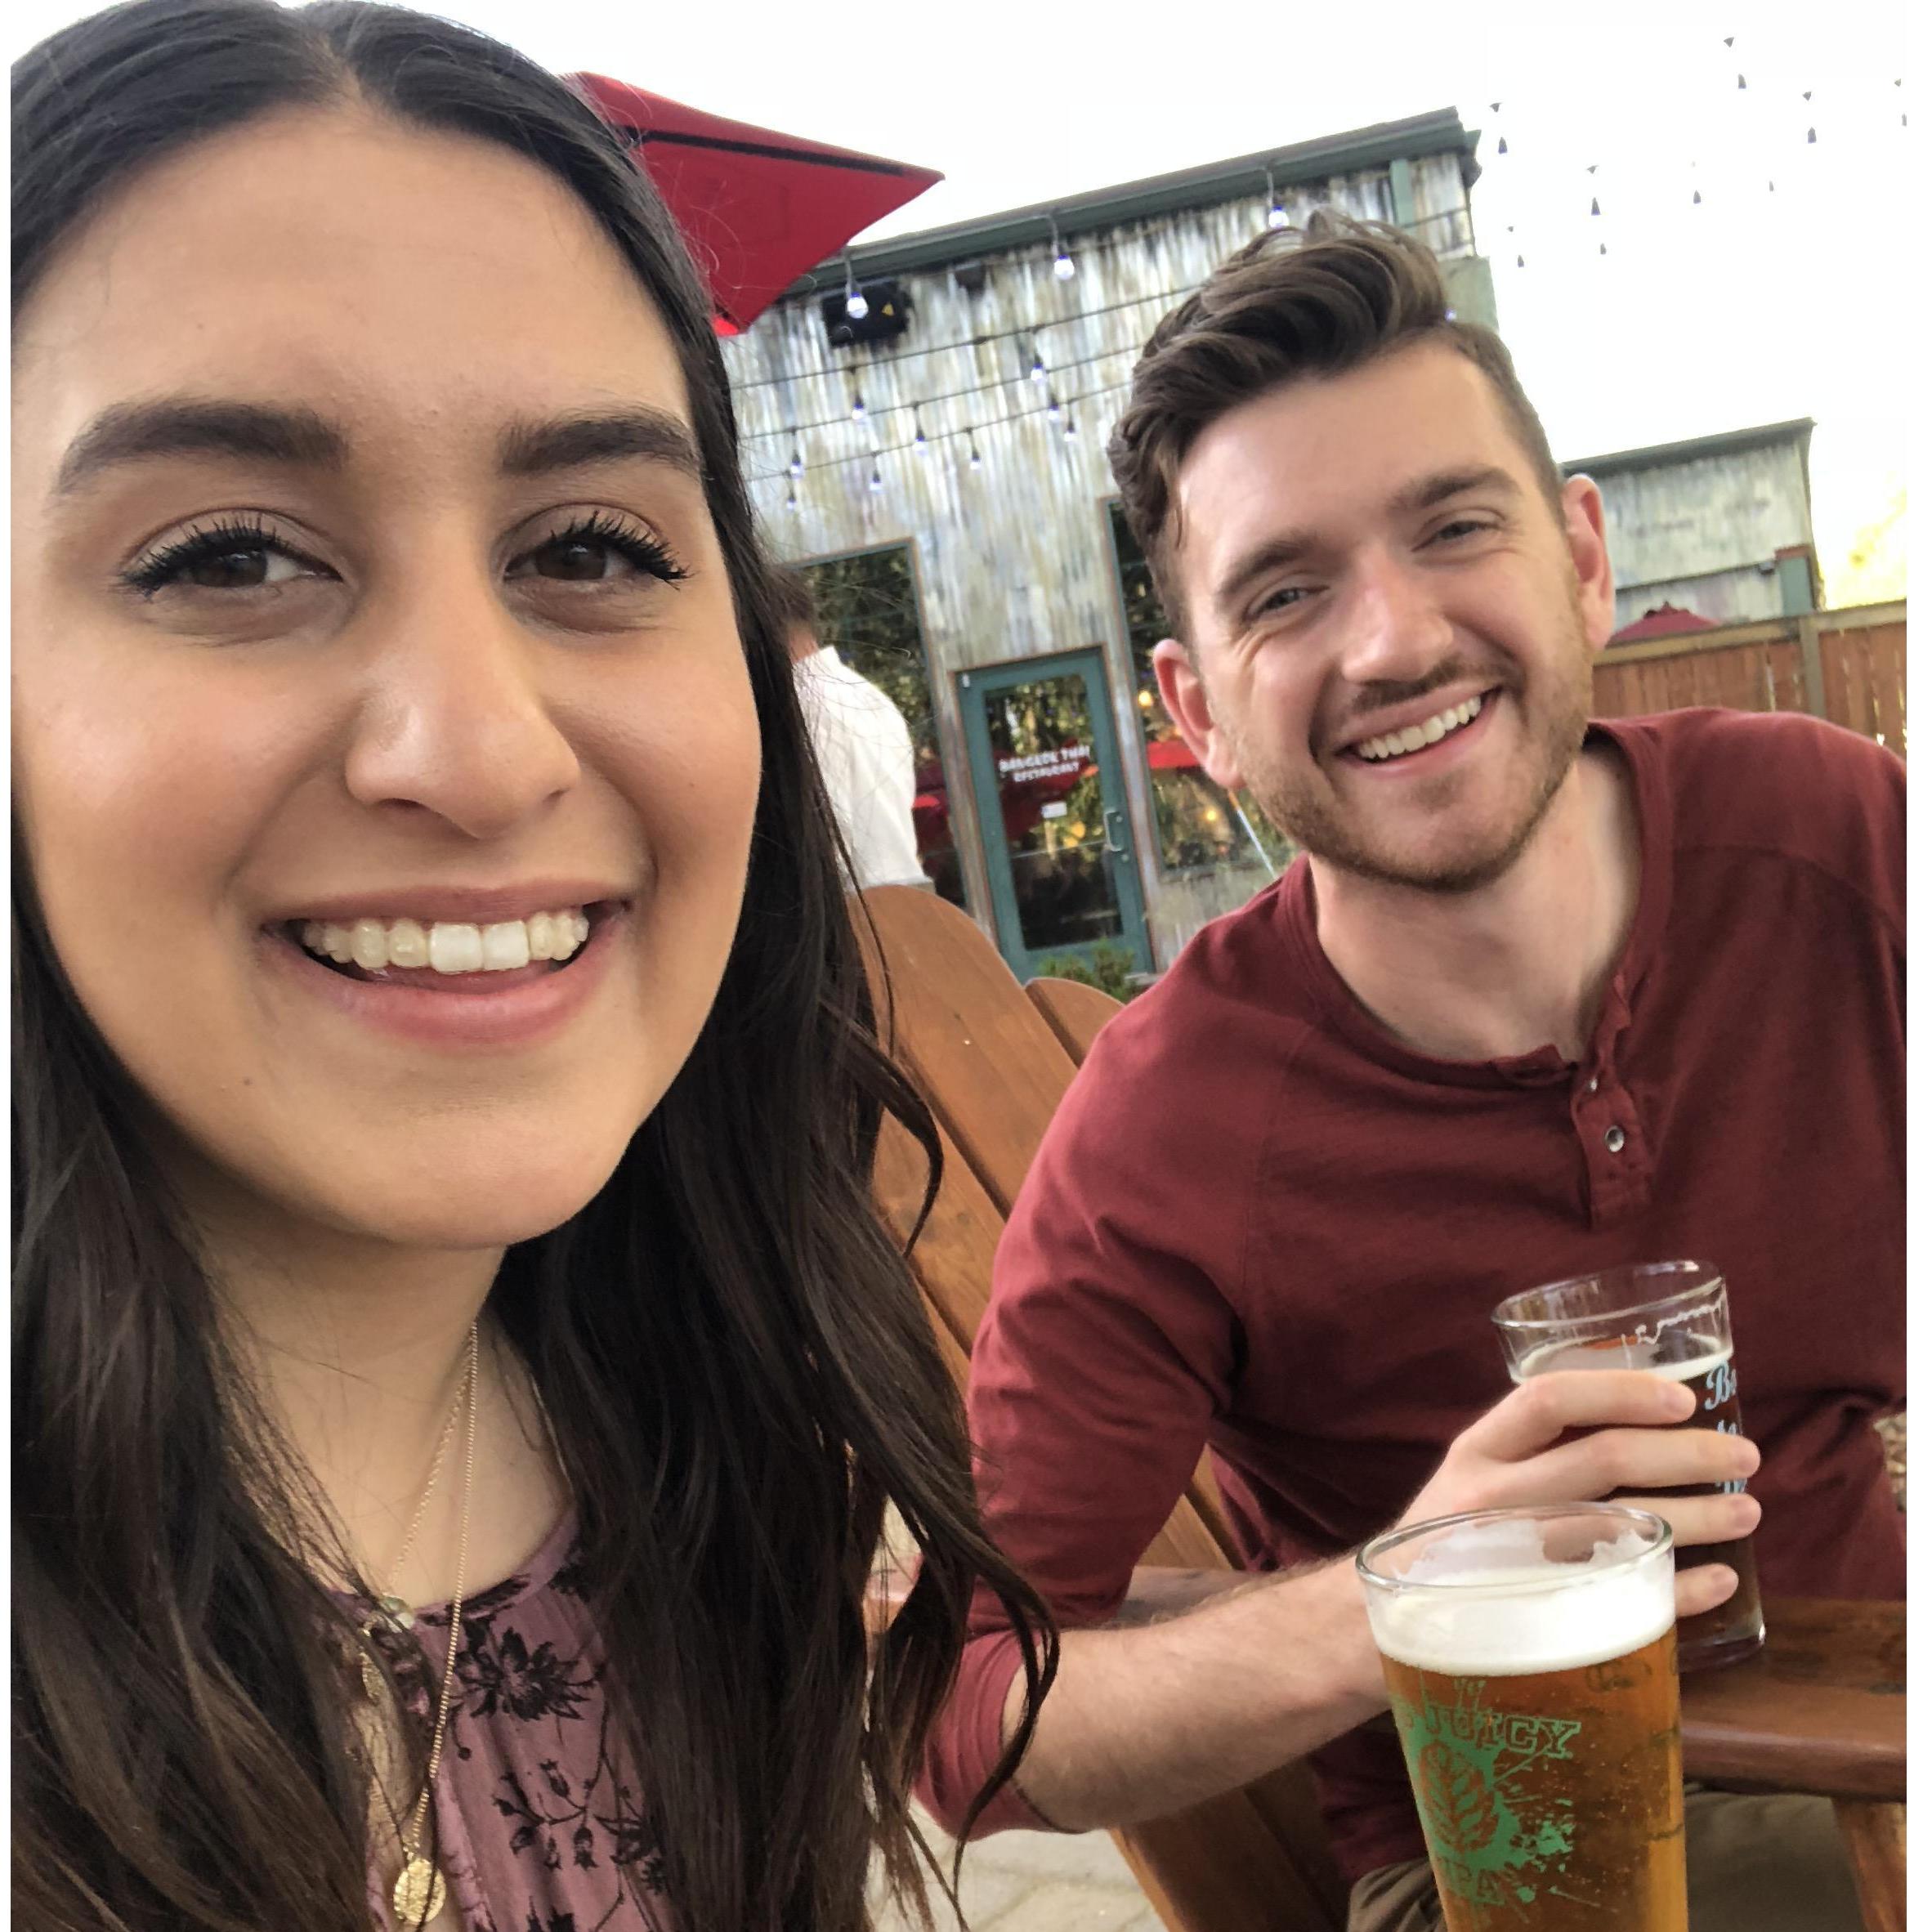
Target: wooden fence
[1845, 665]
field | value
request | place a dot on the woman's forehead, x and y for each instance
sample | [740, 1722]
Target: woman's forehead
[388, 276]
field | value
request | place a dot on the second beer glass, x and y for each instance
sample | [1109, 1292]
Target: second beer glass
[1671, 1318]
[1531, 1659]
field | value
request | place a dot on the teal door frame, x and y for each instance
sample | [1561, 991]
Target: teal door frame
[1113, 836]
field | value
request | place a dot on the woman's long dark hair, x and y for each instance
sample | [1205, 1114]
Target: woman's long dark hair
[736, 1359]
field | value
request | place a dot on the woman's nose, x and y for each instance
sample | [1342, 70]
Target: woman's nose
[454, 721]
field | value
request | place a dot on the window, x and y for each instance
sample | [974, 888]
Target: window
[1199, 825]
[868, 610]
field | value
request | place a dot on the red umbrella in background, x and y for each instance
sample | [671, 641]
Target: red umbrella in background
[757, 207]
[1662, 620]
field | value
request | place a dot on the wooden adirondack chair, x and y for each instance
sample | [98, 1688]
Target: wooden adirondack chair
[1822, 1711]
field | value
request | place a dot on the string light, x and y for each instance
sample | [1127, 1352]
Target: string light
[1063, 266]
[1038, 370]
[1069, 430]
[1052, 406]
[856, 305]
[1277, 216]
[878, 483]
[971, 454]
[1811, 138]
[858, 407]
[918, 431]
[791, 499]
[1594, 208]
[798, 462]
[1502, 147]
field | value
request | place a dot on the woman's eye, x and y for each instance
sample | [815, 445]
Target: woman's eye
[234, 557]
[599, 550]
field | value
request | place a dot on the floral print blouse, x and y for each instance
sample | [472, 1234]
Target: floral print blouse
[538, 1828]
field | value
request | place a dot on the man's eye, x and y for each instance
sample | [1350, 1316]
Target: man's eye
[1288, 595]
[1462, 526]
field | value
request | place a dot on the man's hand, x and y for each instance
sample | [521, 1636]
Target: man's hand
[1525, 1450]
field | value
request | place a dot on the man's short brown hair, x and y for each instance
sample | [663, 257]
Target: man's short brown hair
[1317, 302]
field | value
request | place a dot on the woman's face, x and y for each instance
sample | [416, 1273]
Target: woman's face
[366, 596]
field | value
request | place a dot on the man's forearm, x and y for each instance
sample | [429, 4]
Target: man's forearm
[1143, 1721]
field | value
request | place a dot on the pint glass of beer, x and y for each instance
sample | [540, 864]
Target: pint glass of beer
[1672, 1318]
[1531, 1655]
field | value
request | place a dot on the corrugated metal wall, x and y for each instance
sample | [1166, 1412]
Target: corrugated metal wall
[1013, 558]
[1703, 532]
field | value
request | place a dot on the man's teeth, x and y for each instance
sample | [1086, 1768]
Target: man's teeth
[449, 947]
[1429, 731]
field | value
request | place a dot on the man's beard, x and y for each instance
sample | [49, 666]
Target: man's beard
[1305, 810]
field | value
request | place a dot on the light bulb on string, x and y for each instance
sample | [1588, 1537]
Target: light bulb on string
[791, 499]
[1520, 262]
[1052, 406]
[972, 454]
[1811, 138]
[1068, 431]
[877, 483]
[1038, 371]
[1696, 197]
[856, 305]
[1740, 83]
[798, 462]
[1063, 265]
[1502, 147]
[858, 407]
[1594, 208]
[1277, 216]
[918, 431]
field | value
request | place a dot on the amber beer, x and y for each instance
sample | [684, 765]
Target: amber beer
[1670, 1318]
[1531, 1660]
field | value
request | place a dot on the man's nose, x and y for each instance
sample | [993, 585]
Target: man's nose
[1397, 631]
[455, 720]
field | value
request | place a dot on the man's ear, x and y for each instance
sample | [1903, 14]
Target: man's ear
[1589, 551]
[1185, 696]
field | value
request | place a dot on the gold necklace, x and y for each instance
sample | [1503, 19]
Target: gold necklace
[419, 1892]
[390, 1608]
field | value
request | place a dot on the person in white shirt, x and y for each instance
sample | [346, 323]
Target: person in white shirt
[864, 749]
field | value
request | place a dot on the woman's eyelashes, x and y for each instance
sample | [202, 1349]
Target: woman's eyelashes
[247, 553]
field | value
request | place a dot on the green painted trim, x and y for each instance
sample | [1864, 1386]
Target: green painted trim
[1421, 135]
[1402, 190]
[1798, 431]
[1795, 585]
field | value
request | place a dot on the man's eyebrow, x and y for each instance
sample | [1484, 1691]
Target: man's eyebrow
[1273, 553]
[1426, 492]
[300, 438]
[179, 426]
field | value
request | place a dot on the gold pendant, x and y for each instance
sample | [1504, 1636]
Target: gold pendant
[397, 1614]
[418, 1894]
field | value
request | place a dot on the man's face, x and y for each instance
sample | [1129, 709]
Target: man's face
[1392, 629]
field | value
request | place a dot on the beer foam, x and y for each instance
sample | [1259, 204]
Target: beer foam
[1628, 1355]
[1496, 1606]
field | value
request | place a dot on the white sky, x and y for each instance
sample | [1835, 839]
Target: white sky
[1754, 307]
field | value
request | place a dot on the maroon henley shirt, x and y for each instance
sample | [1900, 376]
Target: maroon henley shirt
[1260, 1222]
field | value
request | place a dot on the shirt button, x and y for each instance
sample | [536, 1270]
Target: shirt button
[1591, 1088]
[1613, 1140]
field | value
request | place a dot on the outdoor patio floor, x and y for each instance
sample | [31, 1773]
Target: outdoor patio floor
[1035, 1882]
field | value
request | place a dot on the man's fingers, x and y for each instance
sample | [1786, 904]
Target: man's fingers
[1700, 1519]
[1638, 1458]
[1704, 1588]
[1536, 1412]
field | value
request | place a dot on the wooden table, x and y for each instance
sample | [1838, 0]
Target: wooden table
[1820, 1709]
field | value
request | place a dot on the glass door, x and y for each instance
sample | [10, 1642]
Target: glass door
[1046, 781]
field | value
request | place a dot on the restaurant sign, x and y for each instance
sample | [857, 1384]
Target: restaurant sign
[1064, 761]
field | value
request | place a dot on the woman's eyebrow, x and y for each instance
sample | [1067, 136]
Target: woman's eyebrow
[300, 438]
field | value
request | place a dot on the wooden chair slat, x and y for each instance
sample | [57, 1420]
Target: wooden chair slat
[991, 1067]
[1075, 1011]
[1821, 1709]
[1874, 1834]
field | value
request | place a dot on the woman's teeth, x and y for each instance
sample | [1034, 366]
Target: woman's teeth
[447, 946]
[1430, 732]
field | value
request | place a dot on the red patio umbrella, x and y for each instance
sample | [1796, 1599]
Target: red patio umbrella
[1662, 620]
[757, 207]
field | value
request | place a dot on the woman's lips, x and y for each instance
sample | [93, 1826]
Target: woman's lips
[503, 1010]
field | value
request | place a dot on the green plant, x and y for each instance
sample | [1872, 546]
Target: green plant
[1108, 966]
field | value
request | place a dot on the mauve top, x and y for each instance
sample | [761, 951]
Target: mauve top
[537, 1828]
